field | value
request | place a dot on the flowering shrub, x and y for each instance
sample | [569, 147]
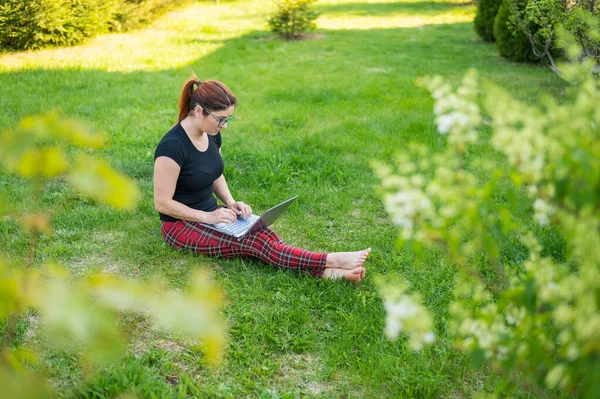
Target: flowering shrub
[82, 311]
[539, 315]
[406, 313]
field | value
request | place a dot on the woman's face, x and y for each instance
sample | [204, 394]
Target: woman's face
[214, 121]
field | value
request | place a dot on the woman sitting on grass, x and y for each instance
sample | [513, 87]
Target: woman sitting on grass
[188, 168]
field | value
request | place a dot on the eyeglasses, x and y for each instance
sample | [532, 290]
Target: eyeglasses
[221, 120]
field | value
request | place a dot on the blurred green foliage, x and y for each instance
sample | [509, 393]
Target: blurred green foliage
[83, 311]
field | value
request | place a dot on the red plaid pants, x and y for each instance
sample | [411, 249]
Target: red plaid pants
[264, 244]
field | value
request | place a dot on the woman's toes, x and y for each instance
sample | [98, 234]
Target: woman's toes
[355, 275]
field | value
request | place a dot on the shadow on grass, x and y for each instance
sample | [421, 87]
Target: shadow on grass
[387, 9]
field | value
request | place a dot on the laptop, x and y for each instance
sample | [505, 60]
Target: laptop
[242, 226]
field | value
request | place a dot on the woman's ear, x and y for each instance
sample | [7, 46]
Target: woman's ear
[198, 111]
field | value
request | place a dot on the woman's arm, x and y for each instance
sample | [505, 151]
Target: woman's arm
[221, 188]
[166, 172]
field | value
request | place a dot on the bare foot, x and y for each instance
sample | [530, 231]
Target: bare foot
[354, 275]
[347, 260]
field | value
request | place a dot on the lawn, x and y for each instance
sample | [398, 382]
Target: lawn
[311, 116]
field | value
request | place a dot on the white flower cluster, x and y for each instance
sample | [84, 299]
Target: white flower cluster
[404, 207]
[515, 315]
[405, 199]
[396, 313]
[457, 114]
[556, 377]
[542, 211]
[406, 314]
[419, 204]
[528, 150]
[480, 322]
[489, 336]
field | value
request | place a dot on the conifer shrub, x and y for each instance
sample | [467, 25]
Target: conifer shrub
[511, 41]
[35, 24]
[485, 17]
[292, 18]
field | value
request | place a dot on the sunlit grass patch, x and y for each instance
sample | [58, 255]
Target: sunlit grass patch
[173, 41]
[391, 14]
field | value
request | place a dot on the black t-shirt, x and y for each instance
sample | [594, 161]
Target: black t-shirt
[198, 172]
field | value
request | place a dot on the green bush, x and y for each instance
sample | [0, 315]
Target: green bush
[511, 41]
[541, 22]
[35, 24]
[292, 18]
[485, 17]
[81, 315]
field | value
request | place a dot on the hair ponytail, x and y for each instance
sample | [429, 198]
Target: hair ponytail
[185, 98]
[210, 94]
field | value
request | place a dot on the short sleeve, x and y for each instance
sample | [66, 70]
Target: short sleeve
[171, 149]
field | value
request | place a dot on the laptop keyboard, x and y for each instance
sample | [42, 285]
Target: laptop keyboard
[238, 227]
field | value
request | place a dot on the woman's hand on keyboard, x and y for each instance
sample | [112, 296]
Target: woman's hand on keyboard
[241, 209]
[221, 215]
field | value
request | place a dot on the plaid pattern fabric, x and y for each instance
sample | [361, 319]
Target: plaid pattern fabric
[264, 244]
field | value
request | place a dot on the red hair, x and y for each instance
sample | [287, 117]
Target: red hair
[210, 94]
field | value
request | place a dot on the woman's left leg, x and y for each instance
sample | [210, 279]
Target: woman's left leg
[264, 244]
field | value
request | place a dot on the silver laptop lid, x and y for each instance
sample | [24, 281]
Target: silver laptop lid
[270, 215]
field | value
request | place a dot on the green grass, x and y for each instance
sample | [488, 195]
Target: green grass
[312, 115]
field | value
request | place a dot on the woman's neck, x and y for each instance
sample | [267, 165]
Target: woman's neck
[188, 125]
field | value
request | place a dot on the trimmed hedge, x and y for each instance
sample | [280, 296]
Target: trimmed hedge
[512, 43]
[485, 17]
[34, 24]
